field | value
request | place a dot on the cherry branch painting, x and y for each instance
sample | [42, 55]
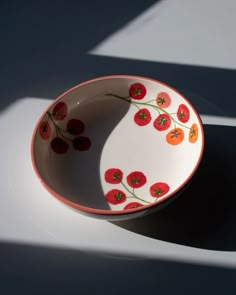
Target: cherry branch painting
[71, 135]
[134, 181]
[162, 122]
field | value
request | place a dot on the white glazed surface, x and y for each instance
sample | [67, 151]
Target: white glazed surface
[117, 142]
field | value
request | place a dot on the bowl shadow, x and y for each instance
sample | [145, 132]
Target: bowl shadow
[77, 175]
[204, 216]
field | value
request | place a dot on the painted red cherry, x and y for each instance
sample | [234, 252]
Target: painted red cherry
[81, 143]
[115, 196]
[45, 130]
[136, 179]
[133, 205]
[113, 175]
[75, 126]
[59, 145]
[163, 100]
[162, 122]
[159, 189]
[137, 91]
[142, 117]
[183, 113]
[60, 111]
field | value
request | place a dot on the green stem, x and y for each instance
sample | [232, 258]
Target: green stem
[133, 194]
[57, 128]
[157, 108]
[48, 116]
[164, 111]
[150, 100]
[133, 103]
[154, 106]
[176, 122]
[120, 97]
[127, 99]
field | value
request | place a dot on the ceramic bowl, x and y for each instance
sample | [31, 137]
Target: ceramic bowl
[117, 147]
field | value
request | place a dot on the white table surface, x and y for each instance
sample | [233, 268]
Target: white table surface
[178, 31]
[29, 214]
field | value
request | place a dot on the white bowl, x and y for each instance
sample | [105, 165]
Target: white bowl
[117, 147]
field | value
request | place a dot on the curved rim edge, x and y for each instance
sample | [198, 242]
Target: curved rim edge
[104, 212]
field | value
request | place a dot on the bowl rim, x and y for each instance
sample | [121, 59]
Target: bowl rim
[94, 211]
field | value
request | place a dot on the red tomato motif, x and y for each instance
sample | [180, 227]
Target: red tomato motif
[162, 122]
[136, 179]
[81, 143]
[45, 130]
[163, 100]
[60, 111]
[175, 136]
[113, 175]
[132, 205]
[193, 133]
[142, 117]
[59, 145]
[159, 189]
[115, 196]
[183, 113]
[75, 126]
[137, 91]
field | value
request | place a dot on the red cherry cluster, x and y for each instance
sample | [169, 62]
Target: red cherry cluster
[143, 117]
[162, 122]
[135, 179]
[74, 128]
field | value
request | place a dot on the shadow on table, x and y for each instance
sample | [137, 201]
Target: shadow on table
[204, 216]
[49, 75]
[44, 44]
[44, 49]
[36, 270]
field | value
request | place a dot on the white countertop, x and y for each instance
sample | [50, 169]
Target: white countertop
[178, 31]
[30, 214]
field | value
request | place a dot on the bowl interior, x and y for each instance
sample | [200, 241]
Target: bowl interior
[117, 143]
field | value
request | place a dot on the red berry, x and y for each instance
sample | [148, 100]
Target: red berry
[142, 117]
[133, 205]
[45, 130]
[113, 175]
[115, 196]
[75, 126]
[136, 179]
[162, 122]
[81, 143]
[159, 189]
[183, 113]
[137, 91]
[59, 145]
[163, 100]
[60, 111]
